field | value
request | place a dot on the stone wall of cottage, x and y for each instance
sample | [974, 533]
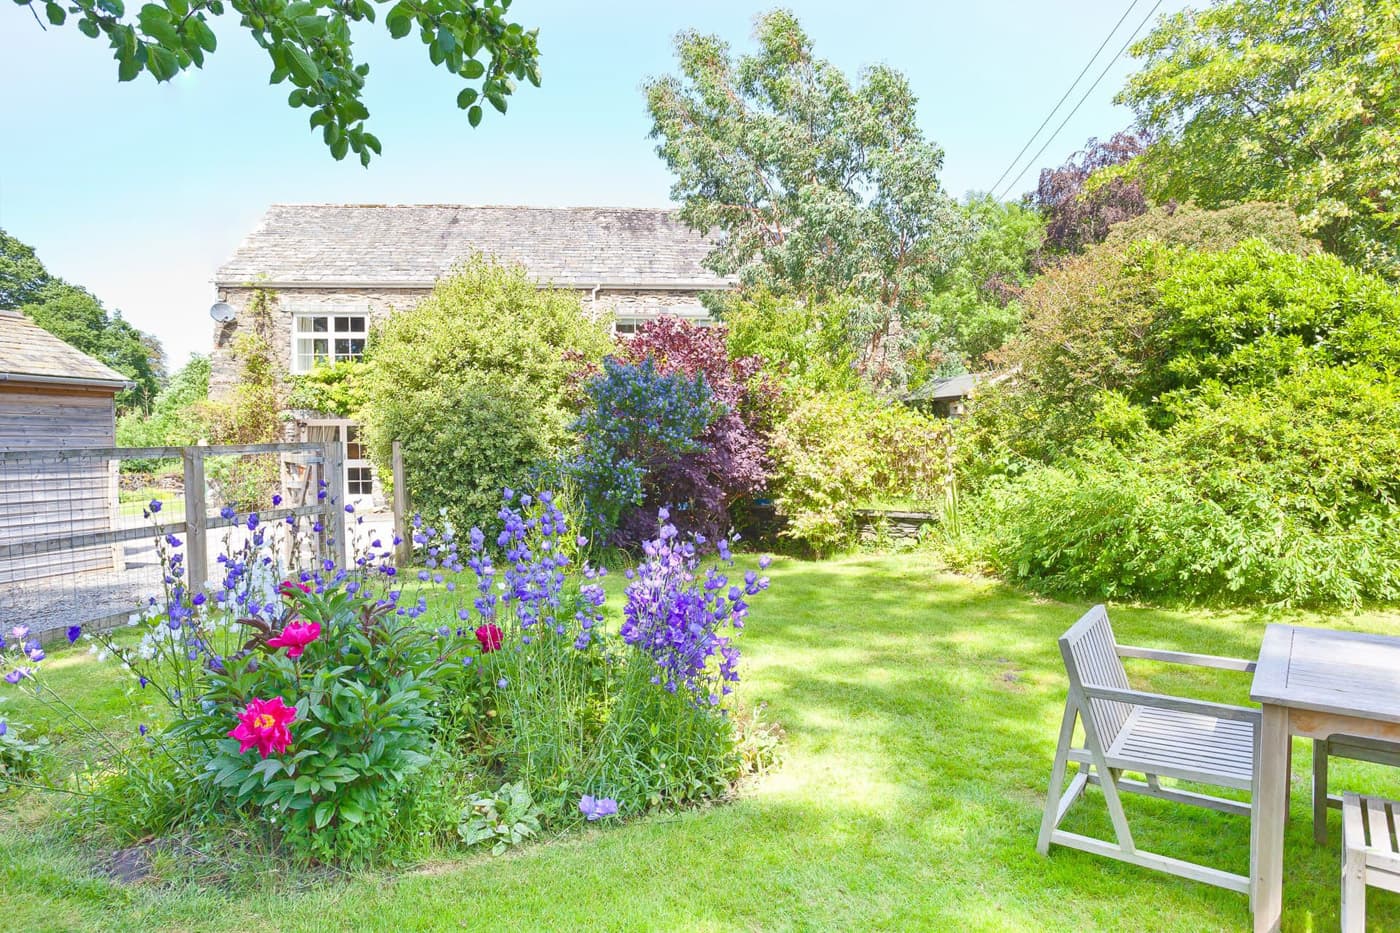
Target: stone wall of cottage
[379, 303]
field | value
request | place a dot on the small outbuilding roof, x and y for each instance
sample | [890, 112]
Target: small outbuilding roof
[28, 353]
[407, 246]
[942, 390]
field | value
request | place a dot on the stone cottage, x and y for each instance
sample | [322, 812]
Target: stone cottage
[336, 268]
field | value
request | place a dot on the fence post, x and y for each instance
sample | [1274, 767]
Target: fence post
[403, 551]
[335, 500]
[196, 519]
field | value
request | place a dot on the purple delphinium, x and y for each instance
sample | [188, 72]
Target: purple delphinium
[684, 619]
[595, 808]
[74, 633]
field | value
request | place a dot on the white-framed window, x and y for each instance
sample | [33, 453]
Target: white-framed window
[626, 324]
[327, 338]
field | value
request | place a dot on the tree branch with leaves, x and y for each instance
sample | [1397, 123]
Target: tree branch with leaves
[309, 44]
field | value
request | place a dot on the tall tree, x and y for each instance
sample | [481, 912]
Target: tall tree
[1077, 212]
[1281, 100]
[818, 185]
[309, 43]
[75, 316]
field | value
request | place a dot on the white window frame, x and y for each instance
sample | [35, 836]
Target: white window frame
[329, 335]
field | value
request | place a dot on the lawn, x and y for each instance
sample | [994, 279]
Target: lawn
[921, 712]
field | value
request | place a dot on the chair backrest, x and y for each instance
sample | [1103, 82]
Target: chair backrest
[1091, 659]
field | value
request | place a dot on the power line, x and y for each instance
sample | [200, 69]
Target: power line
[1102, 74]
[1068, 91]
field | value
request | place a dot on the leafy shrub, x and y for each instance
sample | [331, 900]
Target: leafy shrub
[486, 330]
[637, 427]
[357, 681]
[834, 453]
[1286, 494]
[504, 818]
[174, 419]
[1150, 321]
[337, 389]
[801, 342]
[685, 426]
[464, 442]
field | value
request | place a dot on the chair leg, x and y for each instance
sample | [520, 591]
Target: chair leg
[1353, 892]
[1319, 791]
[1057, 780]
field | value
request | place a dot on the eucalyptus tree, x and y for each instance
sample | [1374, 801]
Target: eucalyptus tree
[818, 185]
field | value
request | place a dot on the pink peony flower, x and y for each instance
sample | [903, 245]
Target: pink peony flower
[263, 723]
[295, 637]
[289, 589]
[489, 635]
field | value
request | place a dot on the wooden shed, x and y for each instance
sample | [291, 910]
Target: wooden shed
[54, 395]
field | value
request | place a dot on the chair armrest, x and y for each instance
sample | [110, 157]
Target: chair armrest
[1179, 704]
[1184, 657]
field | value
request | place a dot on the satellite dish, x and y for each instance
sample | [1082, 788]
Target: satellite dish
[222, 312]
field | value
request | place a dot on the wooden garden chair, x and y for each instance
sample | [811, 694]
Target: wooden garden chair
[1370, 854]
[1126, 730]
[1376, 751]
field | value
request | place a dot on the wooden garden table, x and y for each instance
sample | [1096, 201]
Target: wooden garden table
[1315, 683]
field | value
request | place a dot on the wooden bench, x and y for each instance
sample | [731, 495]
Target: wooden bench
[1370, 854]
[1375, 751]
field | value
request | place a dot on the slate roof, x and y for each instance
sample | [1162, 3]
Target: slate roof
[412, 245]
[27, 350]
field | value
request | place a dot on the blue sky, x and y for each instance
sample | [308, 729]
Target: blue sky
[139, 191]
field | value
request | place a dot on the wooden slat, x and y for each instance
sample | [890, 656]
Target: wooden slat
[1183, 657]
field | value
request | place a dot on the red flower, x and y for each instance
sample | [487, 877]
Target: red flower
[295, 637]
[289, 589]
[264, 724]
[489, 635]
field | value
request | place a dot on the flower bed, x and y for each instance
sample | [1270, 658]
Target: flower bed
[344, 714]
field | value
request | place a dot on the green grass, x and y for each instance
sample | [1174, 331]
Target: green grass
[921, 713]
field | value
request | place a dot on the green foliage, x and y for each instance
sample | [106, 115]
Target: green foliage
[1286, 494]
[251, 413]
[836, 451]
[176, 416]
[822, 187]
[1150, 321]
[18, 753]
[338, 389]
[309, 43]
[1199, 229]
[973, 307]
[463, 443]
[363, 693]
[77, 318]
[504, 818]
[475, 382]
[1293, 102]
[802, 343]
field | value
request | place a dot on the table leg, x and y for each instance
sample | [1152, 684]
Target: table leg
[1270, 803]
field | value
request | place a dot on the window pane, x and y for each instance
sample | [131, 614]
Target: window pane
[360, 481]
[342, 348]
[306, 324]
[357, 324]
[357, 348]
[342, 325]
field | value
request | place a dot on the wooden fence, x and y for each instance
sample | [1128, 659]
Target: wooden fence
[66, 531]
